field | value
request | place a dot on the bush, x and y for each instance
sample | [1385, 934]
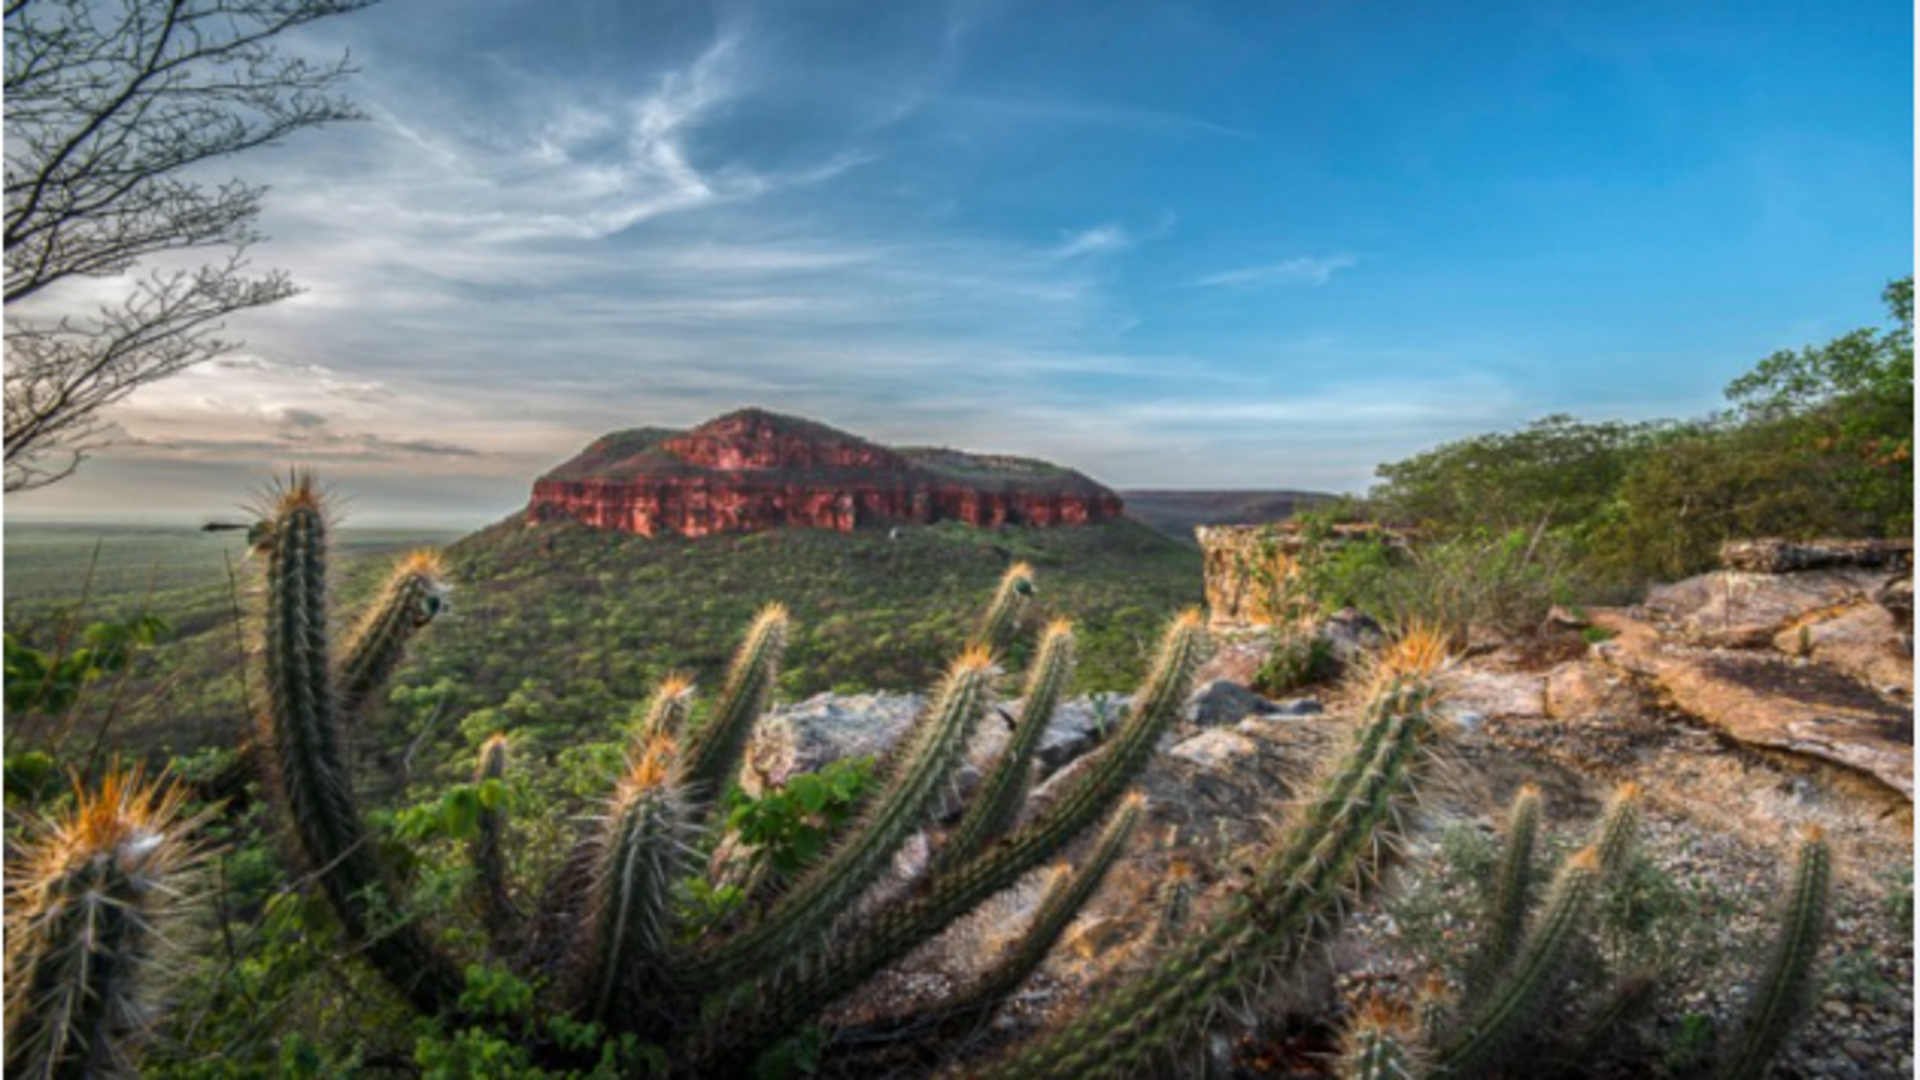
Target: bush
[1506, 582]
[1298, 659]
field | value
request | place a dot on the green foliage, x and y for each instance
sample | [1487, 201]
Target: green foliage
[52, 680]
[1299, 658]
[1506, 581]
[1821, 444]
[788, 827]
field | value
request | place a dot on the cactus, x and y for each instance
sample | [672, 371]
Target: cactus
[713, 752]
[92, 896]
[415, 594]
[1381, 1043]
[1512, 883]
[1004, 790]
[1502, 1017]
[997, 626]
[935, 748]
[640, 856]
[1290, 903]
[1619, 829]
[300, 723]
[489, 852]
[667, 712]
[1787, 984]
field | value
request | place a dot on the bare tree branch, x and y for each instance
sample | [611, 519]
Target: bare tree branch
[109, 105]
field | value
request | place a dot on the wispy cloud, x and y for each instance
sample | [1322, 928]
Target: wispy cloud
[1098, 240]
[1299, 270]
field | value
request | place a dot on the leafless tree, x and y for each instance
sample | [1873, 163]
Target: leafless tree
[114, 111]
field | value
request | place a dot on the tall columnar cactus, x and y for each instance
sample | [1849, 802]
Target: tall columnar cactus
[416, 592]
[1788, 982]
[1619, 829]
[997, 802]
[1002, 619]
[1290, 903]
[1528, 988]
[1511, 892]
[713, 752]
[667, 710]
[641, 854]
[93, 897]
[300, 723]
[493, 895]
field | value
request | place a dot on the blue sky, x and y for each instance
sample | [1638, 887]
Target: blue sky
[1172, 244]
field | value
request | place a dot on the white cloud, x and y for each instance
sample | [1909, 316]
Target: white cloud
[1098, 240]
[1301, 269]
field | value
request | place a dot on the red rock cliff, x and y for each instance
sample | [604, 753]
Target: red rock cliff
[753, 470]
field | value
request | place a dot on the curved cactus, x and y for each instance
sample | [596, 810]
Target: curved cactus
[1002, 618]
[91, 897]
[997, 802]
[1787, 984]
[1290, 902]
[713, 752]
[300, 724]
[825, 891]
[415, 594]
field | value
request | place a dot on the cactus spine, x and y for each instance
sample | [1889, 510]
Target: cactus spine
[90, 900]
[415, 594]
[1002, 618]
[1004, 790]
[1530, 984]
[713, 752]
[301, 725]
[1512, 883]
[1787, 984]
[640, 857]
[1619, 828]
[666, 712]
[494, 897]
[938, 741]
[1289, 903]
[1381, 1043]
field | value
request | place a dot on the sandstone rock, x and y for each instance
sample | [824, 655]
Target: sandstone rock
[1768, 701]
[1897, 597]
[1497, 693]
[1078, 725]
[1584, 689]
[1735, 609]
[1863, 642]
[1217, 748]
[1237, 656]
[1775, 556]
[753, 470]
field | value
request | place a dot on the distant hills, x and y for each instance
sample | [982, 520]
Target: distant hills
[1175, 513]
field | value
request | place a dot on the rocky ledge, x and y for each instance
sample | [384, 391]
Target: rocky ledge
[753, 470]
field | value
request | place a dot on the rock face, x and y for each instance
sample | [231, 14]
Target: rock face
[1247, 566]
[754, 470]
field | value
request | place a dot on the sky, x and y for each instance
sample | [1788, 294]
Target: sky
[1172, 244]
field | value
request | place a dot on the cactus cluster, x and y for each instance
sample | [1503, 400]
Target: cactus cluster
[611, 944]
[1525, 957]
[606, 935]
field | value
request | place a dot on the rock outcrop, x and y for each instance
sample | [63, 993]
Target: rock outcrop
[754, 470]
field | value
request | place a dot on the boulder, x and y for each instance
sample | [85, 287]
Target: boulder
[1223, 702]
[1586, 689]
[1740, 610]
[1897, 597]
[1864, 642]
[1776, 556]
[1767, 700]
[1237, 656]
[1216, 748]
[1353, 634]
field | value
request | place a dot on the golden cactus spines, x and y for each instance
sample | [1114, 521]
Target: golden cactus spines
[96, 897]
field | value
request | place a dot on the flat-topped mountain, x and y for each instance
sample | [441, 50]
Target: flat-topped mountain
[752, 470]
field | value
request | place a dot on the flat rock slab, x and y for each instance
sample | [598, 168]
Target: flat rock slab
[1864, 642]
[1739, 610]
[1765, 700]
[1497, 693]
